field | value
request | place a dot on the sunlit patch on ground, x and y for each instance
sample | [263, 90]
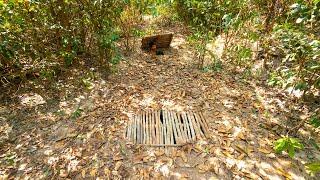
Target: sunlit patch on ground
[32, 99]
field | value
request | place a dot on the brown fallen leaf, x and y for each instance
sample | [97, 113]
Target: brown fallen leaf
[93, 172]
[241, 156]
[227, 154]
[118, 165]
[115, 173]
[63, 173]
[213, 178]
[241, 149]
[83, 173]
[225, 130]
[117, 157]
[146, 158]
[138, 159]
[183, 156]
[198, 148]
[250, 175]
[159, 153]
[283, 173]
[203, 168]
[265, 151]
[241, 136]
[59, 144]
[107, 172]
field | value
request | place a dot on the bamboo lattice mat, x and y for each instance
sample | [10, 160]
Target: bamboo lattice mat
[166, 128]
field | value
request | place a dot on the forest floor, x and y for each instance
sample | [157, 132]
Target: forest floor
[70, 132]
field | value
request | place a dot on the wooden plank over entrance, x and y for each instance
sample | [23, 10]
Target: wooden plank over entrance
[161, 41]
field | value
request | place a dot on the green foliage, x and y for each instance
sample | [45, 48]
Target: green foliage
[88, 80]
[77, 113]
[300, 66]
[55, 31]
[87, 84]
[128, 22]
[151, 7]
[297, 39]
[116, 59]
[211, 18]
[165, 15]
[207, 15]
[47, 74]
[242, 55]
[290, 145]
[305, 14]
[199, 40]
[215, 66]
[314, 143]
[315, 121]
[274, 80]
[313, 168]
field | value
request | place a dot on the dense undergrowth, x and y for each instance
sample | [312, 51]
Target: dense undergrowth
[44, 39]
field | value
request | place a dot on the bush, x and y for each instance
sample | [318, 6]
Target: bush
[59, 32]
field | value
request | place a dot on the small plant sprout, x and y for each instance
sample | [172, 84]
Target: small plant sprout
[288, 144]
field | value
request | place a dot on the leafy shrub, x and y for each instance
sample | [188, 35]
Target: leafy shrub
[300, 68]
[55, 31]
[128, 23]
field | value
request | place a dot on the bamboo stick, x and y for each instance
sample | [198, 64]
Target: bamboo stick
[196, 126]
[153, 128]
[192, 128]
[156, 128]
[148, 127]
[181, 133]
[143, 130]
[174, 127]
[205, 130]
[135, 131]
[171, 128]
[205, 122]
[138, 129]
[168, 127]
[187, 127]
[129, 130]
[164, 128]
[160, 128]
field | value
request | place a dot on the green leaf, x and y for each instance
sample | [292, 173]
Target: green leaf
[280, 145]
[314, 121]
[301, 86]
[87, 83]
[315, 67]
[295, 142]
[291, 151]
[314, 143]
[313, 167]
[77, 113]
[287, 144]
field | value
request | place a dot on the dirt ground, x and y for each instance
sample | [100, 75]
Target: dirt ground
[44, 139]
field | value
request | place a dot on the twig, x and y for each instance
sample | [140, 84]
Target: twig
[67, 137]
